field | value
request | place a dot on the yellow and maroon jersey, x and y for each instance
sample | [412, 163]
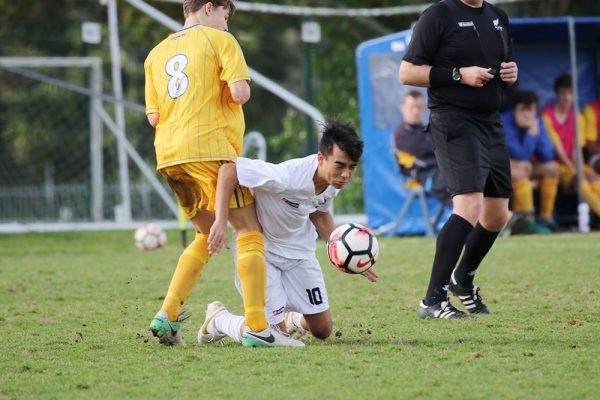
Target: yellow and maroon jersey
[564, 133]
[187, 78]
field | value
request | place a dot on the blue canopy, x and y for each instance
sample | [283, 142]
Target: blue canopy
[542, 53]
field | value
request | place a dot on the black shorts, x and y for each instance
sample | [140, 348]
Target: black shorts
[471, 152]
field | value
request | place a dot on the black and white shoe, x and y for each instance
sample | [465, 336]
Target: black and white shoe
[469, 298]
[443, 310]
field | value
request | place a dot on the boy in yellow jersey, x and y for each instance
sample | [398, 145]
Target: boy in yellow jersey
[196, 83]
[559, 119]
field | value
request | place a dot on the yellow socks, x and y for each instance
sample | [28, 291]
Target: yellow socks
[190, 266]
[522, 200]
[548, 189]
[253, 277]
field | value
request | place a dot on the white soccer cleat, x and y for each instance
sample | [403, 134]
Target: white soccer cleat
[270, 337]
[207, 332]
[295, 331]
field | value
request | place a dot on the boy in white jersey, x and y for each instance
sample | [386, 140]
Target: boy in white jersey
[293, 203]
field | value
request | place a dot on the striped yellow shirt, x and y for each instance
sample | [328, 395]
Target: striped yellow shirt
[187, 78]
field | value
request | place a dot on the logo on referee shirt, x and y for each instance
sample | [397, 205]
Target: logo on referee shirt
[291, 203]
[466, 24]
[497, 25]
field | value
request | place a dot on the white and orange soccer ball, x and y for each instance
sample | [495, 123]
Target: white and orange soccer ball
[150, 237]
[352, 248]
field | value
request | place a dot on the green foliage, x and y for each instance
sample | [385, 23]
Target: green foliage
[76, 306]
[271, 44]
[291, 142]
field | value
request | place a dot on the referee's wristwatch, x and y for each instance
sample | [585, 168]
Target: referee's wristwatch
[456, 76]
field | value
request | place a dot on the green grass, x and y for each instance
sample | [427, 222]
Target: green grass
[75, 308]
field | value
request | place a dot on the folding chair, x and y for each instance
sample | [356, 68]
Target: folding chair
[416, 191]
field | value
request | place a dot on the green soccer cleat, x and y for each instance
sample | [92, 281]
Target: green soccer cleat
[168, 332]
[548, 223]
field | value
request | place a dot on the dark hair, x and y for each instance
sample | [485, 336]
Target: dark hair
[562, 82]
[526, 98]
[342, 134]
[191, 6]
[414, 94]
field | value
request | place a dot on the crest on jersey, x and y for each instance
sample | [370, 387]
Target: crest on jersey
[497, 25]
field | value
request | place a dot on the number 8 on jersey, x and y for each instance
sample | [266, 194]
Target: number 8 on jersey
[179, 81]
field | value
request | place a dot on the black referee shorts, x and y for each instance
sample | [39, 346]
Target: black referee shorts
[471, 152]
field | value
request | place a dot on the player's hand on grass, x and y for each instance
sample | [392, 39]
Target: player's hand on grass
[370, 275]
[217, 237]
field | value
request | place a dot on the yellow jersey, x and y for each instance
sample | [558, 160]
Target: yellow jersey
[187, 78]
[592, 121]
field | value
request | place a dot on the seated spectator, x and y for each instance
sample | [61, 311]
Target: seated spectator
[591, 113]
[531, 157]
[413, 148]
[559, 119]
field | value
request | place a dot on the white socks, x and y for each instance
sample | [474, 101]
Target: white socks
[230, 325]
[296, 317]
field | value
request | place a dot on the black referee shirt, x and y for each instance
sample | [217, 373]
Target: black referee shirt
[451, 34]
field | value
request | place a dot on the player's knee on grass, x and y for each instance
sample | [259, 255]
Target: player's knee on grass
[320, 325]
[322, 332]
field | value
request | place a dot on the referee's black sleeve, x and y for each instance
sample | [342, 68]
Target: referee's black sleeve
[425, 38]
[510, 56]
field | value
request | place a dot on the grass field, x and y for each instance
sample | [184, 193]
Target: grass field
[75, 308]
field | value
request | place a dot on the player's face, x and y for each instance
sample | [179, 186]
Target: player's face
[217, 17]
[412, 110]
[564, 97]
[337, 168]
[525, 115]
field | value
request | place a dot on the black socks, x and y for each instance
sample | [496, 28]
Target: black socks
[477, 246]
[449, 245]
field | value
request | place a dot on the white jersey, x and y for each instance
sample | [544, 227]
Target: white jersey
[285, 197]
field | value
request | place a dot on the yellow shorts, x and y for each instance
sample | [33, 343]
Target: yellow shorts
[567, 175]
[195, 186]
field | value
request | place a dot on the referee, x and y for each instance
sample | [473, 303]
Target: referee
[462, 52]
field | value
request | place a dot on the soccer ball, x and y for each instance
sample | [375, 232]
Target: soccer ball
[150, 237]
[352, 248]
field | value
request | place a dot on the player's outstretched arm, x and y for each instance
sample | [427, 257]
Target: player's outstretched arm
[370, 275]
[226, 182]
[323, 222]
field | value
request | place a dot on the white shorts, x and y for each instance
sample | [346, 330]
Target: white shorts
[292, 285]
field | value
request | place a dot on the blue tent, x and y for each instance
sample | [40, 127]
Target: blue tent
[542, 53]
